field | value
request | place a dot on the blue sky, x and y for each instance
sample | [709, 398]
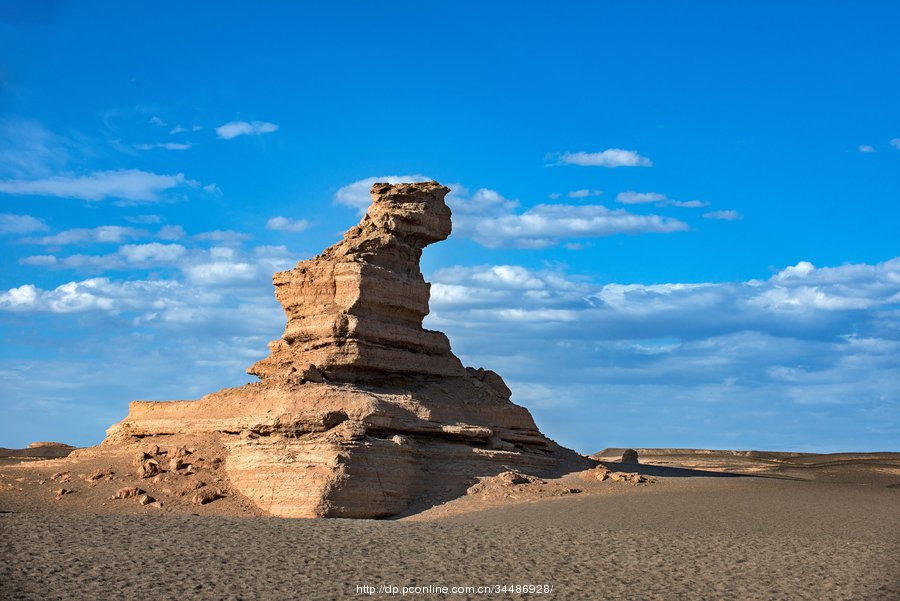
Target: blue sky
[674, 225]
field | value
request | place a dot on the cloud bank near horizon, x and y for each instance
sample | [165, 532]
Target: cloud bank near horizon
[824, 338]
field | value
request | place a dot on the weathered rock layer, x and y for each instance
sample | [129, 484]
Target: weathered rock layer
[356, 310]
[360, 411]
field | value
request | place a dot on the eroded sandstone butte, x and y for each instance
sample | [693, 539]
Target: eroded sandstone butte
[360, 411]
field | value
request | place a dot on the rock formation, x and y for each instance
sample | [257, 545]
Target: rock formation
[360, 411]
[630, 456]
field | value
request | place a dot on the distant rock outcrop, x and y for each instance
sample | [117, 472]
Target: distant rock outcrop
[630, 456]
[360, 411]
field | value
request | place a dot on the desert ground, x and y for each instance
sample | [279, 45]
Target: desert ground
[690, 525]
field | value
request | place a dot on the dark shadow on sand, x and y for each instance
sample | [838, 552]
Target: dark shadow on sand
[661, 471]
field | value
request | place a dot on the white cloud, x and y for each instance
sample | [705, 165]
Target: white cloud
[491, 219]
[144, 219]
[796, 300]
[356, 195]
[287, 225]
[20, 224]
[208, 275]
[154, 120]
[153, 252]
[223, 266]
[631, 197]
[39, 260]
[216, 267]
[483, 201]
[546, 225]
[716, 364]
[866, 148]
[693, 359]
[611, 157]
[244, 128]
[798, 271]
[95, 294]
[126, 256]
[103, 234]
[584, 193]
[728, 215]
[28, 149]
[171, 232]
[895, 142]
[178, 129]
[220, 273]
[165, 145]
[124, 184]
[227, 236]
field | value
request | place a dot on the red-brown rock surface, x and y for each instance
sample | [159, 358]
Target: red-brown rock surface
[360, 411]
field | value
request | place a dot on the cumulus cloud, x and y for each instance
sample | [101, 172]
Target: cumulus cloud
[39, 260]
[611, 157]
[482, 201]
[171, 232]
[866, 148]
[895, 142]
[356, 195]
[143, 219]
[102, 234]
[494, 220]
[757, 349]
[218, 266]
[631, 197]
[546, 225]
[244, 128]
[214, 267]
[127, 256]
[220, 273]
[20, 224]
[798, 301]
[584, 193]
[688, 204]
[95, 294]
[178, 129]
[728, 215]
[226, 236]
[123, 184]
[223, 266]
[164, 145]
[286, 224]
[152, 252]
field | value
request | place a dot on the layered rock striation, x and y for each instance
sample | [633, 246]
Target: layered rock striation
[360, 411]
[356, 310]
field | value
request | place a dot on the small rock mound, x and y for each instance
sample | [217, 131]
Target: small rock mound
[128, 492]
[602, 473]
[205, 495]
[42, 444]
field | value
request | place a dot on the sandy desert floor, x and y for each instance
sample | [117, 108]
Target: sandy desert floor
[824, 527]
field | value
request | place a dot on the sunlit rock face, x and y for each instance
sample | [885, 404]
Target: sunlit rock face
[360, 411]
[356, 310]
